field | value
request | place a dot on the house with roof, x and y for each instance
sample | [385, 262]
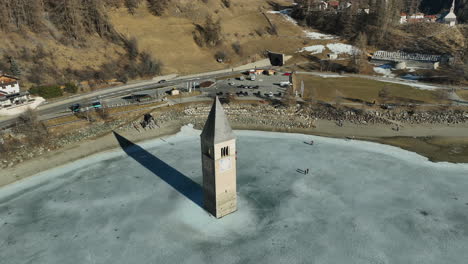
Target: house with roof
[319, 5]
[333, 4]
[10, 93]
[8, 84]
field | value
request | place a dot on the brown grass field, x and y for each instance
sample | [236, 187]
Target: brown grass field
[328, 89]
[463, 94]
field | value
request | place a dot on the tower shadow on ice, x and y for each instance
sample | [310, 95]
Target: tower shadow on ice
[181, 183]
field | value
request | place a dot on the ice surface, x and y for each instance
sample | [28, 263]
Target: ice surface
[361, 203]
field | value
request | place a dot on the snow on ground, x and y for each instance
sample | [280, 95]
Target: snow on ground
[315, 49]
[384, 71]
[414, 84]
[330, 75]
[411, 77]
[340, 48]
[19, 109]
[317, 35]
[285, 13]
[361, 203]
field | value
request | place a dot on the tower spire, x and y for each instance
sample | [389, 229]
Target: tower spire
[217, 128]
[452, 9]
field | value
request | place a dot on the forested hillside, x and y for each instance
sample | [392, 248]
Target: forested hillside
[62, 41]
[57, 41]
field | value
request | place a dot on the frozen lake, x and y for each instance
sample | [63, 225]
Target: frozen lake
[360, 203]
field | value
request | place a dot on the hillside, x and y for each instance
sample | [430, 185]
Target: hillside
[123, 44]
[437, 6]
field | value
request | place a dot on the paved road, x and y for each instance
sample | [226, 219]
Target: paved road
[63, 104]
[57, 107]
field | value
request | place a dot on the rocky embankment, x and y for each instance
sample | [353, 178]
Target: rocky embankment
[247, 115]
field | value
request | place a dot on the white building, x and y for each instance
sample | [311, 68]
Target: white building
[450, 18]
[8, 84]
[10, 93]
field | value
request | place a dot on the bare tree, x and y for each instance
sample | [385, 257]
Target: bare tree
[359, 56]
[28, 124]
[208, 34]
[157, 7]
[66, 15]
[132, 5]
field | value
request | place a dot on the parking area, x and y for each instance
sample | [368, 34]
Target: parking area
[262, 86]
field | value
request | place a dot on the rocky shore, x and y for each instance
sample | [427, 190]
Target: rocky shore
[282, 118]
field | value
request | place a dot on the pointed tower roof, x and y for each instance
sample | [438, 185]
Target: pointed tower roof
[451, 16]
[217, 128]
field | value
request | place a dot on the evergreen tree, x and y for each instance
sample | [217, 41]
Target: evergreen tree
[132, 5]
[14, 68]
[157, 7]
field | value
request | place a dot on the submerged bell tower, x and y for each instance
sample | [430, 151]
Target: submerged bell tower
[218, 147]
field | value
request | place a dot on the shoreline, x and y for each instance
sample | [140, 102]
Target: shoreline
[416, 138]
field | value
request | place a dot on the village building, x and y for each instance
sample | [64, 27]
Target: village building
[175, 92]
[333, 4]
[8, 84]
[416, 18]
[10, 93]
[271, 72]
[258, 71]
[321, 5]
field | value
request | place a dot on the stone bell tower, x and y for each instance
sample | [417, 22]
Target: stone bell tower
[218, 147]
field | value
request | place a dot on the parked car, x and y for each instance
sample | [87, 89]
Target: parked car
[287, 74]
[219, 93]
[231, 83]
[162, 81]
